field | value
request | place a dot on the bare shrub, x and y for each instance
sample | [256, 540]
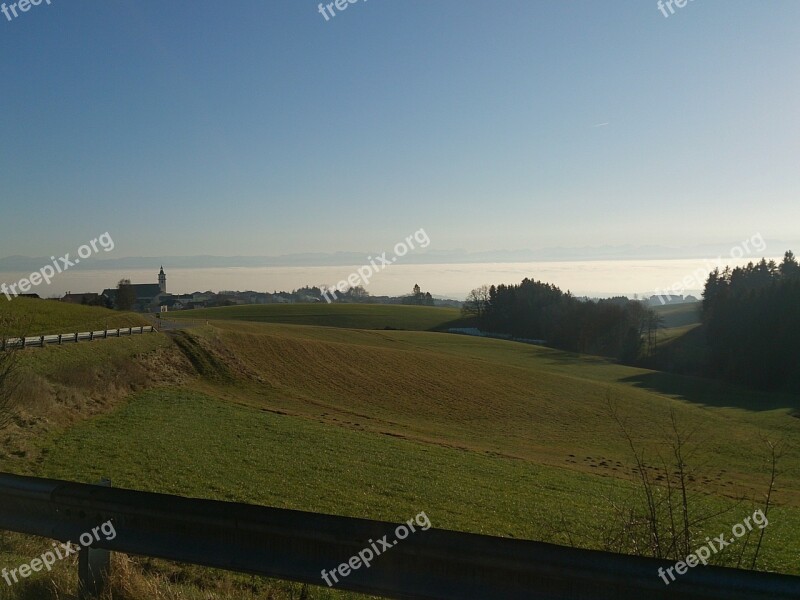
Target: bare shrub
[668, 515]
[10, 377]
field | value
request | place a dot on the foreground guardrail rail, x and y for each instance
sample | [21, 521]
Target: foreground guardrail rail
[40, 341]
[297, 546]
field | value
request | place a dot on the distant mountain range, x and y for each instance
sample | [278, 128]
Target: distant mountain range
[625, 252]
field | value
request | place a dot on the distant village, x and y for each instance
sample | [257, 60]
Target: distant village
[154, 297]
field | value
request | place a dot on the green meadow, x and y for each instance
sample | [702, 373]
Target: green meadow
[679, 315]
[350, 418]
[354, 316]
[42, 317]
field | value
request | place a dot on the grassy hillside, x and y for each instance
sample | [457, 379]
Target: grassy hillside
[672, 334]
[355, 316]
[196, 446]
[495, 402]
[679, 315]
[48, 316]
[64, 385]
[485, 395]
[484, 435]
[682, 346]
[189, 443]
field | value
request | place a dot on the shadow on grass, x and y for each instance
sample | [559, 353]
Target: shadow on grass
[710, 392]
[691, 388]
[698, 390]
[564, 358]
[454, 324]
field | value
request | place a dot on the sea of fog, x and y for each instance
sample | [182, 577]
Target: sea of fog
[583, 278]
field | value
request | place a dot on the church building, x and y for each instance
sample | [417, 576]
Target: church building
[149, 296]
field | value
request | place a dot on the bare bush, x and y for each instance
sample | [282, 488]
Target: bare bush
[667, 516]
[10, 379]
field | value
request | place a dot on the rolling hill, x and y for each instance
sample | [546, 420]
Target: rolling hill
[39, 317]
[354, 316]
[484, 435]
[679, 315]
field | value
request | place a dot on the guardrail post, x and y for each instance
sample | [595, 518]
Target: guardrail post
[41, 341]
[23, 342]
[4, 344]
[59, 338]
[76, 337]
[94, 567]
[105, 334]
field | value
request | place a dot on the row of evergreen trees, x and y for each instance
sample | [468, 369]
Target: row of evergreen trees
[752, 320]
[617, 327]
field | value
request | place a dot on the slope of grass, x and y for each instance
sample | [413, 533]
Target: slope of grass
[63, 385]
[65, 361]
[355, 316]
[671, 334]
[41, 317]
[187, 443]
[484, 435]
[498, 397]
[679, 315]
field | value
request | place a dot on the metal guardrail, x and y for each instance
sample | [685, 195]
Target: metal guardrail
[40, 341]
[297, 546]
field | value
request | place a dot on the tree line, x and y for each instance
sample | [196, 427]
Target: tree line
[751, 317]
[418, 298]
[750, 322]
[617, 327]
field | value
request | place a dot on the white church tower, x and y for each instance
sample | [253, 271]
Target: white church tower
[162, 280]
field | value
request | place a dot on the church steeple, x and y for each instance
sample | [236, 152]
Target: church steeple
[162, 280]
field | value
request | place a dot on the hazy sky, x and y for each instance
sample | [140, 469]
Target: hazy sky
[260, 128]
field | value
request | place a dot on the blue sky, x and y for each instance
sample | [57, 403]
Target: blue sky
[258, 128]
